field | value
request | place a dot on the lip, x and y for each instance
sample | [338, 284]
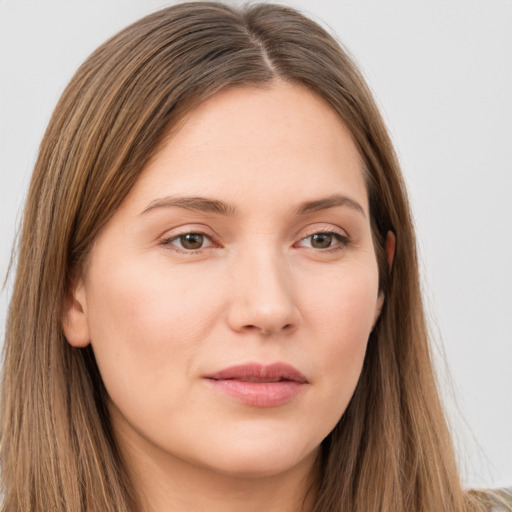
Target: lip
[259, 385]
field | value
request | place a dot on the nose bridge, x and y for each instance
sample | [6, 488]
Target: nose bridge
[264, 295]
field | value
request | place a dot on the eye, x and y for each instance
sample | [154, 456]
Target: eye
[324, 240]
[189, 242]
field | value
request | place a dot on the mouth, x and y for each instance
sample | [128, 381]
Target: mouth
[259, 385]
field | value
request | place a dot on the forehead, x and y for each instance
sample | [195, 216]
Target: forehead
[282, 141]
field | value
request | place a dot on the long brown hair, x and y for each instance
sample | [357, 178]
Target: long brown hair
[391, 450]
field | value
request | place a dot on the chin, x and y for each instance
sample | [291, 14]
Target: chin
[257, 460]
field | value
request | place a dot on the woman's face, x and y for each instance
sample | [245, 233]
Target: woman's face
[230, 298]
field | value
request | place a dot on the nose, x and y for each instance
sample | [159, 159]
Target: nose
[263, 295]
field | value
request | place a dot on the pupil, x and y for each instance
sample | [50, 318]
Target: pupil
[321, 240]
[192, 241]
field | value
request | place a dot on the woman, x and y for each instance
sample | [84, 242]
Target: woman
[217, 302]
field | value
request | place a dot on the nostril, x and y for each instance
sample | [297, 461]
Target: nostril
[268, 331]
[256, 328]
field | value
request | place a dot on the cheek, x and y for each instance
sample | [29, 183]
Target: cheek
[147, 326]
[342, 319]
[343, 304]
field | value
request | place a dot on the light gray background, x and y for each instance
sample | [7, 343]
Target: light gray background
[441, 71]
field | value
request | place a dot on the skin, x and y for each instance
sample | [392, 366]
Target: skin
[160, 316]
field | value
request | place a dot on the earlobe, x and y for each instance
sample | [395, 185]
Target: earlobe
[74, 318]
[378, 309]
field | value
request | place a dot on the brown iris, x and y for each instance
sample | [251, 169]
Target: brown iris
[192, 241]
[321, 240]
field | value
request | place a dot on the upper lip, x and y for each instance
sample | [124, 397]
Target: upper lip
[256, 372]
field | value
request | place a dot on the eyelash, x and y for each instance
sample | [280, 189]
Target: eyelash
[168, 242]
[342, 239]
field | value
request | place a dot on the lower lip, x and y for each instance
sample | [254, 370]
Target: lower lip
[259, 394]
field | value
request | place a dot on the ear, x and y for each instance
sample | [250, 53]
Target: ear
[74, 317]
[390, 246]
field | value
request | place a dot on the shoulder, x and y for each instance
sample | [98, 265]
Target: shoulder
[501, 500]
[489, 500]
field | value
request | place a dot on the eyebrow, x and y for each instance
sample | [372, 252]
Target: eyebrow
[199, 204]
[203, 204]
[329, 202]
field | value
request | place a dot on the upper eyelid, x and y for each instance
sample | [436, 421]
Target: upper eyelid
[325, 229]
[312, 231]
[187, 229]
